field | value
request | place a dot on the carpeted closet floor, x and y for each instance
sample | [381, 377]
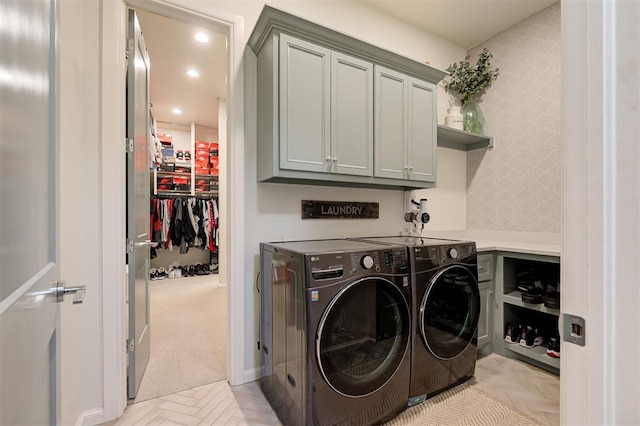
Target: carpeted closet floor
[188, 335]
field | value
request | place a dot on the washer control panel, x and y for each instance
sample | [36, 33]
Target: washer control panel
[339, 265]
[367, 261]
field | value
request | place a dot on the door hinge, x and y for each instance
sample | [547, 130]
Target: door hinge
[129, 245]
[130, 346]
[128, 145]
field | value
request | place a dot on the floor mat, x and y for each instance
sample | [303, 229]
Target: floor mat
[462, 405]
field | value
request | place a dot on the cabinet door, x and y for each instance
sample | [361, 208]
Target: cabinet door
[486, 313]
[304, 105]
[390, 136]
[422, 128]
[351, 115]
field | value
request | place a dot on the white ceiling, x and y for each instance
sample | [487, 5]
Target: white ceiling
[172, 48]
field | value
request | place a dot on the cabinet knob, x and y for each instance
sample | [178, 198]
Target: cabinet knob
[328, 158]
[335, 159]
[410, 168]
[406, 167]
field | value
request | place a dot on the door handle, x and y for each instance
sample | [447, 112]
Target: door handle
[58, 290]
[147, 243]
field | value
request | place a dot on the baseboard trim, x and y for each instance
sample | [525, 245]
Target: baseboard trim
[252, 375]
[91, 417]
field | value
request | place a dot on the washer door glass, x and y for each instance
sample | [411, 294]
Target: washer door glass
[363, 336]
[449, 312]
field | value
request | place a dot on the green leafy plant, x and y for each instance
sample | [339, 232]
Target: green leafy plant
[469, 81]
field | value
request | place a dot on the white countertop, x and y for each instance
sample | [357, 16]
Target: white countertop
[542, 243]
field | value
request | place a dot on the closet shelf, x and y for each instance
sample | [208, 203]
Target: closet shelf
[464, 141]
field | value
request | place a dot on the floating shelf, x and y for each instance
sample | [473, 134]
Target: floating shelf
[464, 141]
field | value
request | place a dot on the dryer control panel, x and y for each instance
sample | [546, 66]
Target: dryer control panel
[443, 254]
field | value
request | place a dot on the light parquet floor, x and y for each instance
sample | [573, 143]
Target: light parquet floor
[529, 389]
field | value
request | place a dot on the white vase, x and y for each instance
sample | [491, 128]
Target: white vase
[454, 118]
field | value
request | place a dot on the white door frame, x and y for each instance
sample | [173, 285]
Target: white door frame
[113, 184]
[600, 268]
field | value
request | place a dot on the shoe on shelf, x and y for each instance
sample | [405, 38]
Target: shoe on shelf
[533, 295]
[153, 274]
[512, 333]
[525, 285]
[532, 338]
[179, 155]
[551, 297]
[553, 348]
[552, 300]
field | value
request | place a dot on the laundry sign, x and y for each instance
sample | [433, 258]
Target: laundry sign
[339, 210]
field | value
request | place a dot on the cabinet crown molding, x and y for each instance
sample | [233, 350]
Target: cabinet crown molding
[274, 20]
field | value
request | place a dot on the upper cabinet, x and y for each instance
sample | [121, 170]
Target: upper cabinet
[334, 110]
[326, 110]
[405, 129]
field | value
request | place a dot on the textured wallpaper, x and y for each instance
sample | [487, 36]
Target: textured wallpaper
[516, 186]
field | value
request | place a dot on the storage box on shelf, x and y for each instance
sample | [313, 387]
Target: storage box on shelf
[511, 307]
[168, 183]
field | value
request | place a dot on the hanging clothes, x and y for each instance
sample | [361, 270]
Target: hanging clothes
[185, 222]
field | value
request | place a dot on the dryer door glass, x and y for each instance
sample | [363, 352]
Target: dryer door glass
[363, 336]
[449, 312]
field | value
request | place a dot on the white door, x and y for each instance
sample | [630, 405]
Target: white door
[29, 269]
[138, 226]
[600, 381]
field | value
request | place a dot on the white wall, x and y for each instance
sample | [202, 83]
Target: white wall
[80, 208]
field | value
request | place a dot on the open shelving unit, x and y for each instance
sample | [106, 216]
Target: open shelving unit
[461, 140]
[511, 308]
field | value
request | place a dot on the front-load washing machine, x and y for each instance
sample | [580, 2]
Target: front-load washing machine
[335, 331]
[446, 308]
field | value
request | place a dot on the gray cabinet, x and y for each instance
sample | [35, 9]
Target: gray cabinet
[316, 109]
[486, 288]
[304, 107]
[351, 115]
[405, 131]
[326, 110]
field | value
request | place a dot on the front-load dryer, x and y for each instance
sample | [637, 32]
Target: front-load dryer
[446, 309]
[335, 331]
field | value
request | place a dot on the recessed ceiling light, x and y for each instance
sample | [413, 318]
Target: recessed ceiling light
[202, 37]
[193, 73]
[176, 111]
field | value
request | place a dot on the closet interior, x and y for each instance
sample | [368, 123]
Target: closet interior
[185, 217]
[187, 291]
